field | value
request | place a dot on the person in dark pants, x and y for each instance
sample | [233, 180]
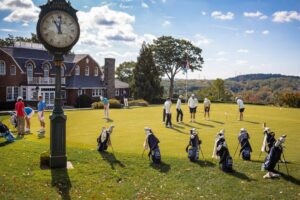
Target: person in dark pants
[167, 107]
[179, 111]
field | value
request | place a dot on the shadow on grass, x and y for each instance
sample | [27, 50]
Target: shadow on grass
[207, 125]
[177, 126]
[185, 124]
[240, 175]
[204, 163]
[161, 167]
[289, 178]
[109, 120]
[111, 159]
[2, 144]
[61, 180]
[177, 130]
[251, 122]
[218, 122]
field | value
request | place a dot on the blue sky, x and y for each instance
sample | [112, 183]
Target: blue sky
[236, 36]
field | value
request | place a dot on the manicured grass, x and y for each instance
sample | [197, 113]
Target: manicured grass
[126, 175]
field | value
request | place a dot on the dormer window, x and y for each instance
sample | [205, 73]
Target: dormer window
[96, 71]
[87, 60]
[87, 71]
[77, 70]
[29, 67]
[2, 68]
[46, 70]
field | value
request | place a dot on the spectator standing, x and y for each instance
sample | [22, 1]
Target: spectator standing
[241, 107]
[206, 104]
[105, 102]
[167, 106]
[178, 110]
[41, 115]
[19, 107]
[192, 104]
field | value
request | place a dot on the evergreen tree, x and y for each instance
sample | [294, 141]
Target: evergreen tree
[146, 76]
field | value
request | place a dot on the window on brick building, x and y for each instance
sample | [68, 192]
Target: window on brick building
[13, 70]
[12, 93]
[2, 67]
[87, 71]
[77, 70]
[29, 68]
[96, 71]
[46, 70]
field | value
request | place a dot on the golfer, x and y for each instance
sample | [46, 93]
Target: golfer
[206, 104]
[241, 107]
[125, 99]
[41, 108]
[193, 103]
[105, 102]
[29, 112]
[19, 107]
[179, 111]
[167, 106]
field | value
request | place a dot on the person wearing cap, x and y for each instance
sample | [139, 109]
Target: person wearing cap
[206, 104]
[241, 107]
[41, 108]
[105, 102]
[29, 112]
[193, 103]
[167, 107]
[19, 107]
[178, 110]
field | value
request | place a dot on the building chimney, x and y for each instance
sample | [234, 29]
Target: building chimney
[109, 77]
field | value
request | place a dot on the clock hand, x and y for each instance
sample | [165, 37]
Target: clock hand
[58, 24]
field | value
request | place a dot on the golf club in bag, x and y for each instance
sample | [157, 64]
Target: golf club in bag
[194, 143]
[104, 139]
[151, 143]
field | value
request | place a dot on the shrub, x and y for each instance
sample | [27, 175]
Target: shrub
[113, 103]
[83, 101]
[138, 102]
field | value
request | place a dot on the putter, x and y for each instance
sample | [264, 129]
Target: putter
[111, 147]
[236, 149]
[287, 170]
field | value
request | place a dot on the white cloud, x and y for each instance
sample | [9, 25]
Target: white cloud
[203, 13]
[163, 1]
[101, 25]
[202, 40]
[166, 23]
[144, 5]
[265, 32]
[286, 16]
[243, 51]
[241, 62]
[249, 31]
[221, 53]
[221, 16]
[23, 11]
[221, 59]
[256, 14]
[7, 30]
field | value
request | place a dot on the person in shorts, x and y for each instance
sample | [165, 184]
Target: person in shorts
[206, 104]
[29, 112]
[193, 103]
[41, 109]
[105, 102]
[241, 107]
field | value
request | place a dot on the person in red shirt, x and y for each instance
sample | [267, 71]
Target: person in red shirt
[19, 107]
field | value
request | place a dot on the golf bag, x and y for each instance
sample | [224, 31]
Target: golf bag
[13, 119]
[225, 158]
[245, 145]
[274, 155]
[4, 131]
[269, 140]
[104, 139]
[154, 152]
[193, 152]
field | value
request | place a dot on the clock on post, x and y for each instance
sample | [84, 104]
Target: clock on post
[58, 30]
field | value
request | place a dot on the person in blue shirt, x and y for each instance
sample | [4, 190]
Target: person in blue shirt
[29, 112]
[105, 102]
[41, 108]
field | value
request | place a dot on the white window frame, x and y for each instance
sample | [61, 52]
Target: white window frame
[77, 70]
[97, 92]
[80, 92]
[87, 71]
[96, 71]
[14, 95]
[46, 69]
[27, 65]
[2, 68]
[13, 70]
[117, 92]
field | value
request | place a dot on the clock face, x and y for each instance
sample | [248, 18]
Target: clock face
[59, 29]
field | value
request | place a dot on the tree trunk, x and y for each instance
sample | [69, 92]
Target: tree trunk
[171, 88]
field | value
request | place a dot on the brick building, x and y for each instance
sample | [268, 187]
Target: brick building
[28, 71]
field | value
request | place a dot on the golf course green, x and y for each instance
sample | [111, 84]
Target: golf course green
[123, 173]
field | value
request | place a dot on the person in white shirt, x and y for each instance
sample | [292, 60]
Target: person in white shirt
[179, 111]
[206, 104]
[241, 107]
[167, 107]
[193, 103]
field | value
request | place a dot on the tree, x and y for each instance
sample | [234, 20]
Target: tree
[10, 40]
[125, 71]
[218, 86]
[171, 55]
[146, 76]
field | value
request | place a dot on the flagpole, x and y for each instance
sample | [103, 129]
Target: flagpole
[186, 77]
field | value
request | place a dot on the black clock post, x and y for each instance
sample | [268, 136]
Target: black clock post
[60, 16]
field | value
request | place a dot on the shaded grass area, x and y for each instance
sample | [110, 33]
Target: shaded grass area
[124, 174]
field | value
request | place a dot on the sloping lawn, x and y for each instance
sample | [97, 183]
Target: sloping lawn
[125, 174]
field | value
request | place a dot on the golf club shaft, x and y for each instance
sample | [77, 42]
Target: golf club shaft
[287, 170]
[236, 149]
